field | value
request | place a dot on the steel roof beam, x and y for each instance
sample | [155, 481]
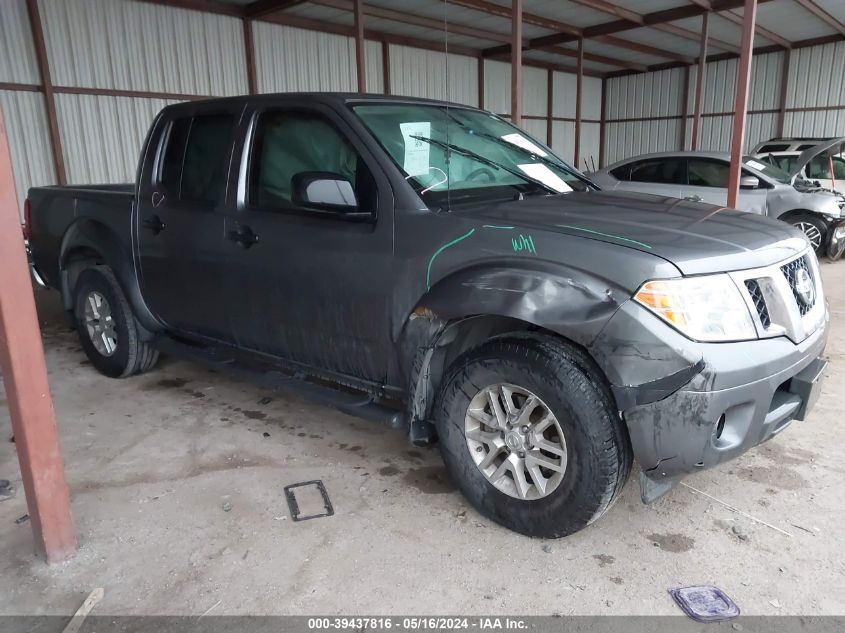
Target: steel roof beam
[823, 15]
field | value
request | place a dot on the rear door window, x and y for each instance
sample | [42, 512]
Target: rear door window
[704, 172]
[664, 170]
[194, 166]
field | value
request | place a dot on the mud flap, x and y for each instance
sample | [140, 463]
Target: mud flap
[651, 490]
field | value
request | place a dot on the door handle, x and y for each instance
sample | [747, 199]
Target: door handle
[154, 224]
[244, 236]
[693, 198]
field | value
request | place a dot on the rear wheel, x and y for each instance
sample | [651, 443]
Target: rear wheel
[530, 434]
[812, 227]
[106, 326]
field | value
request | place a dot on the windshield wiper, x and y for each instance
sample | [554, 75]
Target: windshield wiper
[525, 150]
[486, 161]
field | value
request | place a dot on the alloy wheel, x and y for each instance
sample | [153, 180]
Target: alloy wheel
[100, 324]
[812, 232]
[516, 441]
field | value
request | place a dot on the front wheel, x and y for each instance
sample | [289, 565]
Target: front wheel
[531, 436]
[106, 326]
[813, 228]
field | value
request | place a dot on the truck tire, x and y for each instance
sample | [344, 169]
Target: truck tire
[814, 228]
[531, 436]
[106, 326]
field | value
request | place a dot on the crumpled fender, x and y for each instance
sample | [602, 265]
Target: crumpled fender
[571, 302]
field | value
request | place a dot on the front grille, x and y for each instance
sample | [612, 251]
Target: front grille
[759, 302]
[795, 278]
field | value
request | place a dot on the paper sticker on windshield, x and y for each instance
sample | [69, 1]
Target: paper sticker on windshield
[540, 172]
[755, 165]
[416, 151]
[520, 141]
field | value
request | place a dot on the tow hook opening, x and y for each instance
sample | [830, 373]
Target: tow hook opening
[720, 426]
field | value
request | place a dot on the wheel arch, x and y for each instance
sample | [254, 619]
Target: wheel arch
[476, 303]
[449, 339]
[89, 242]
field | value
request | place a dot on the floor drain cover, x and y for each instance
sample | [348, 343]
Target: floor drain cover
[705, 604]
[308, 500]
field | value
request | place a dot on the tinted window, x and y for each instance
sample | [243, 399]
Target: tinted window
[171, 166]
[204, 169]
[195, 160]
[783, 162]
[773, 148]
[708, 173]
[820, 168]
[666, 171]
[801, 148]
[288, 143]
[622, 173]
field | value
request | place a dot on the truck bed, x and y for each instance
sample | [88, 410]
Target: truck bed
[95, 210]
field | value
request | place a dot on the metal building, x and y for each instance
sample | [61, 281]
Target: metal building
[80, 80]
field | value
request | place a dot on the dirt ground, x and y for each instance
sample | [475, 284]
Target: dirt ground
[177, 480]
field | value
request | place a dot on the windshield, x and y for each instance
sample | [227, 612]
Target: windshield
[767, 169]
[455, 155]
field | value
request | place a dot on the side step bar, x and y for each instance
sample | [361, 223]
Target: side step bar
[358, 404]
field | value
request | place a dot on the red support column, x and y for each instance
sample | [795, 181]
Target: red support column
[603, 124]
[249, 48]
[743, 80]
[385, 66]
[699, 84]
[784, 91]
[550, 105]
[579, 84]
[360, 50]
[481, 83]
[516, 63]
[25, 378]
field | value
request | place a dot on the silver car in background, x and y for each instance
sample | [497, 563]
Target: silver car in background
[764, 189]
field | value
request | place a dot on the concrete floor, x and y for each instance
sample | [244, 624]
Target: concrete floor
[153, 460]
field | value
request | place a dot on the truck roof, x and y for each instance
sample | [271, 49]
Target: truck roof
[341, 98]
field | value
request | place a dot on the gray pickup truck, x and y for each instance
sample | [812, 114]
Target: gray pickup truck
[431, 266]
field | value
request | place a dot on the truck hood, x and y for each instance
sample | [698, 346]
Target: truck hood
[696, 238]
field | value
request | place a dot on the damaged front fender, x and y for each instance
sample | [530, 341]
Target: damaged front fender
[570, 302]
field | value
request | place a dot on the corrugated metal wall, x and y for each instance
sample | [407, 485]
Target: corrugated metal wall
[653, 116]
[421, 73]
[24, 112]
[642, 97]
[816, 79]
[26, 122]
[18, 63]
[142, 47]
[102, 136]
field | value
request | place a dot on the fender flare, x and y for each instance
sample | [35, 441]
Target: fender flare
[90, 235]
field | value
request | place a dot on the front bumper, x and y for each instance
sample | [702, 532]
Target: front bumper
[698, 427]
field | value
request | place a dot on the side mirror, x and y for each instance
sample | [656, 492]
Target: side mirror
[749, 182]
[324, 190]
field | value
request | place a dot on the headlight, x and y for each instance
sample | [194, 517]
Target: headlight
[708, 308]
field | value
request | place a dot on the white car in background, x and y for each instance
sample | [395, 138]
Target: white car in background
[820, 161]
[764, 189]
